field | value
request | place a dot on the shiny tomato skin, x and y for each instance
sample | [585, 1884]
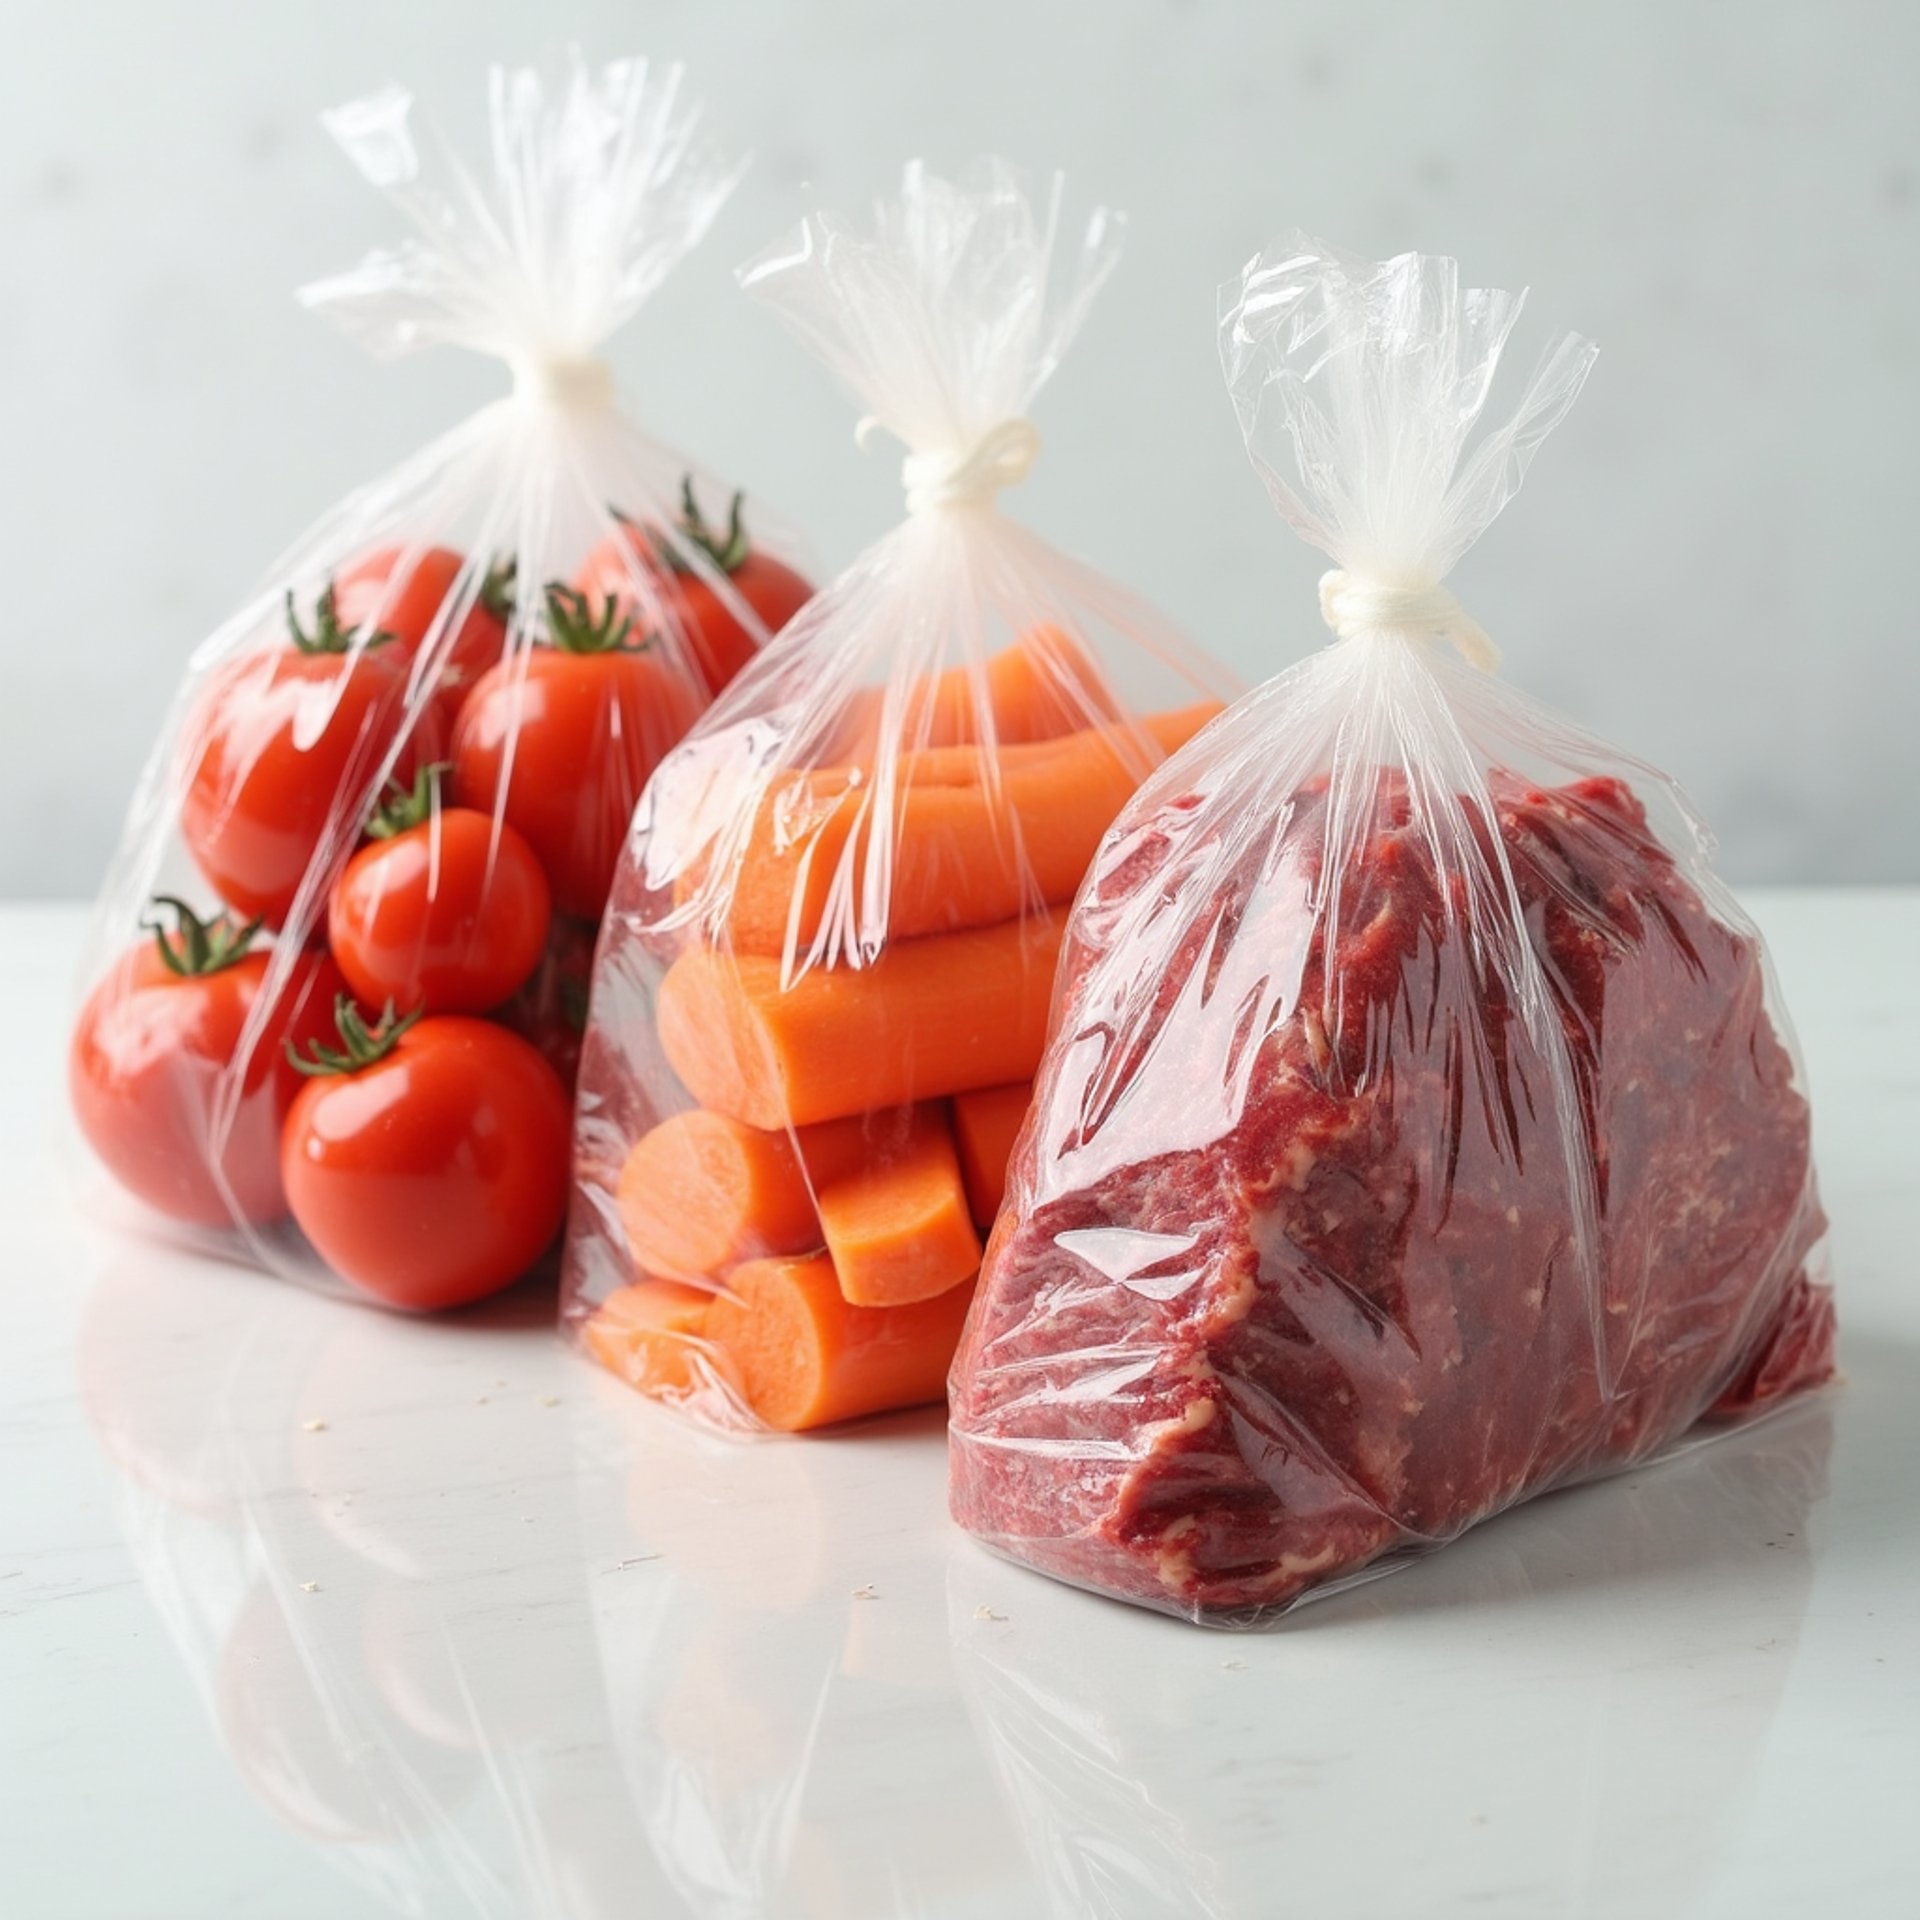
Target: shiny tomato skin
[450, 916]
[774, 592]
[438, 1174]
[144, 1071]
[584, 731]
[365, 591]
[720, 645]
[279, 743]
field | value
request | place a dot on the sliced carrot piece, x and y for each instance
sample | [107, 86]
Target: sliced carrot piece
[897, 1228]
[928, 1017]
[976, 837]
[650, 1334]
[805, 1357]
[986, 1123]
[701, 1192]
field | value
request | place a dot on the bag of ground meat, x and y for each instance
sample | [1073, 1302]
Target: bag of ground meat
[339, 969]
[1418, 1128]
[823, 985]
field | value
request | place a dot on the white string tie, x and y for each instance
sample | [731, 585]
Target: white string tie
[585, 383]
[963, 476]
[1350, 605]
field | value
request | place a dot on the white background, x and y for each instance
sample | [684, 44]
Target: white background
[1713, 562]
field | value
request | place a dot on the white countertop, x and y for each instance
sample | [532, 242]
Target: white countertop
[310, 1612]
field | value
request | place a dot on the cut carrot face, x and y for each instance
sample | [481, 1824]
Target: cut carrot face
[898, 1229]
[701, 1192]
[848, 1150]
[976, 837]
[805, 1357]
[985, 1125]
[650, 1334]
[928, 1017]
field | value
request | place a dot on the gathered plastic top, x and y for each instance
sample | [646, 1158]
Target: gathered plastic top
[1360, 388]
[1417, 1129]
[601, 183]
[946, 317]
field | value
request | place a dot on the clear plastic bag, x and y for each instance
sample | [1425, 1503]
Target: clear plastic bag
[1419, 1128]
[379, 827]
[824, 979]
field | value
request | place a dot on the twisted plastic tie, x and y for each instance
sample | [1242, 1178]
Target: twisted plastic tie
[963, 476]
[1351, 605]
[585, 383]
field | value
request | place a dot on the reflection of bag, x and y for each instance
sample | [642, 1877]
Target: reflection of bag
[1118, 1819]
[1417, 1131]
[497, 641]
[823, 985]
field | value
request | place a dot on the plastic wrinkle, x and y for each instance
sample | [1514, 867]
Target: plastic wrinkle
[597, 182]
[1417, 1021]
[843, 891]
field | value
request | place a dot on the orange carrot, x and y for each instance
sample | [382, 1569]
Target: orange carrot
[1044, 685]
[804, 1357]
[976, 838]
[651, 1335]
[701, 1192]
[928, 1017]
[985, 1126]
[897, 1229]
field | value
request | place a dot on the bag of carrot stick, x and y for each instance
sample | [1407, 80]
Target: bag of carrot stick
[1419, 1129]
[823, 985]
[339, 969]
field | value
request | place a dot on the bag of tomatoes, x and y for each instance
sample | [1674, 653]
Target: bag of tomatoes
[823, 985]
[340, 965]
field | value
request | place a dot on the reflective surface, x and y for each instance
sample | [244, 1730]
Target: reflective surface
[309, 1611]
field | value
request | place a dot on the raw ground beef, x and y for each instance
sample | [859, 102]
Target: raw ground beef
[1311, 1258]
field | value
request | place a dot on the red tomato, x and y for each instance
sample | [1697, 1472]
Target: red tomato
[581, 724]
[367, 593]
[551, 1009]
[774, 592]
[427, 1160]
[278, 743]
[448, 915]
[153, 1047]
[721, 645]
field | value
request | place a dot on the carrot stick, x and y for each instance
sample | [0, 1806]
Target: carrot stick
[701, 1192]
[928, 1017]
[897, 1229]
[985, 1125]
[804, 1357]
[976, 837]
[1046, 684]
[651, 1335]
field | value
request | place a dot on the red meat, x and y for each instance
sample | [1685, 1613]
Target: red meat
[1313, 1256]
